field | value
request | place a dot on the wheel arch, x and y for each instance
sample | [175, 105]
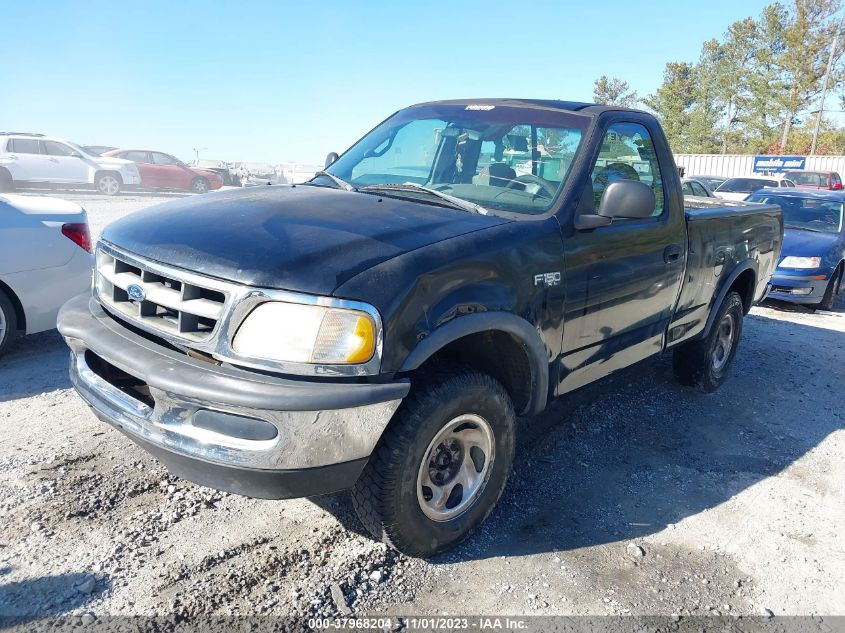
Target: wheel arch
[742, 279]
[102, 172]
[497, 343]
[20, 314]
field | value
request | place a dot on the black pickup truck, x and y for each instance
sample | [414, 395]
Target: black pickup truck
[380, 327]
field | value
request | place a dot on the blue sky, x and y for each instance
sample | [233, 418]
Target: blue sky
[278, 81]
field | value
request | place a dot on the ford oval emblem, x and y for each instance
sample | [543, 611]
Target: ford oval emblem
[135, 292]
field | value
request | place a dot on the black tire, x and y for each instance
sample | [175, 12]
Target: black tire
[200, 185]
[831, 291]
[108, 183]
[703, 363]
[8, 322]
[388, 497]
[7, 183]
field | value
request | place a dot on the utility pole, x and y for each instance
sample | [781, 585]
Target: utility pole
[197, 151]
[824, 86]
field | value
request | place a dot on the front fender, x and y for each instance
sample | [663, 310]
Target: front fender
[517, 327]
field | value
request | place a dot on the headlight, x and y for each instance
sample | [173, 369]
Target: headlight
[297, 333]
[801, 262]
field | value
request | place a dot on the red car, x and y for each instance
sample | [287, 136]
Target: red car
[163, 171]
[815, 179]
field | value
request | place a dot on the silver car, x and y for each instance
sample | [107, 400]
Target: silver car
[45, 260]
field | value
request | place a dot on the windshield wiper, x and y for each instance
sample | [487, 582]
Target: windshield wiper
[412, 186]
[342, 184]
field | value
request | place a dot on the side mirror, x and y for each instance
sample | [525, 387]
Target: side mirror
[627, 199]
[332, 157]
[76, 155]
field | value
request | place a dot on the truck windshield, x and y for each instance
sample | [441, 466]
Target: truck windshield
[810, 214]
[512, 159]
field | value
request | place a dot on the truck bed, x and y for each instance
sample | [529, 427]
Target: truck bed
[720, 235]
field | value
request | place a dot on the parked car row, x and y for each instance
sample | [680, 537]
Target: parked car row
[36, 160]
[740, 188]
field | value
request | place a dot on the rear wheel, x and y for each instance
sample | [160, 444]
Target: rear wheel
[8, 322]
[199, 185]
[6, 181]
[441, 465]
[706, 363]
[108, 184]
[831, 291]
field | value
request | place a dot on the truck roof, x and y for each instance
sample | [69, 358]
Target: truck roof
[546, 104]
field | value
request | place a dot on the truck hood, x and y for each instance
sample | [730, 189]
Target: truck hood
[302, 238]
[803, 243]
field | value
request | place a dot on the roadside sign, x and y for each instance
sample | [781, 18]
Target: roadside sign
[778, 164]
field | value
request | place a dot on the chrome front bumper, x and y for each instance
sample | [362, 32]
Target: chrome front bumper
[259, 423]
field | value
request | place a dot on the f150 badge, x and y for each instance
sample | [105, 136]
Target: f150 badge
[547, 279]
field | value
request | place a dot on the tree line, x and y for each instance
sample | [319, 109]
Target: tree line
[755, 90]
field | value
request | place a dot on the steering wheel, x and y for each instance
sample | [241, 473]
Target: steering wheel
[531, 179]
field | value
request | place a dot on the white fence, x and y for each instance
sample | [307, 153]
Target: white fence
[731, 165]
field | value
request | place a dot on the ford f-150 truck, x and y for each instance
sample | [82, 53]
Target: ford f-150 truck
[380, 327]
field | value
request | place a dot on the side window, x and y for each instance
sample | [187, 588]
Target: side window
[787, 183]
[835, 179]
[163, 159]
[698, 190]
[24, 146]
[627, 153]
[52, 148]
[136, 157]
[687, 187]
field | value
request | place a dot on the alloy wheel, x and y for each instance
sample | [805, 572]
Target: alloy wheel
[724, 342]
[455, 467]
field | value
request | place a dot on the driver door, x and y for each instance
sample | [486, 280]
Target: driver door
[622, 279]
[65, 164]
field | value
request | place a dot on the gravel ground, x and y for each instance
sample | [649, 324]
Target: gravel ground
[632, 496]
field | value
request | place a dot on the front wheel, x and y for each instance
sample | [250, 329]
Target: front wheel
[706, 363]
[108, 184]
[831, 291]
[199, 185]
[441, 465]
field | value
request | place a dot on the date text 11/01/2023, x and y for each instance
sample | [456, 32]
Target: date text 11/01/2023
[424, 623]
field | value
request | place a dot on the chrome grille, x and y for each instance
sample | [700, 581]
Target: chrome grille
[165, 301]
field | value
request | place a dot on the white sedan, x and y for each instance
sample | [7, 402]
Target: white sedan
[741, 188]
[45, 259]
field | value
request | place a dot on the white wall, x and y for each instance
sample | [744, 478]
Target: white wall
[731, 165]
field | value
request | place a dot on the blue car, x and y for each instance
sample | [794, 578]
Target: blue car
[813, 255]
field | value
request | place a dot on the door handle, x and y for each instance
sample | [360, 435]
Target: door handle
[672, 253]
[53, 160]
